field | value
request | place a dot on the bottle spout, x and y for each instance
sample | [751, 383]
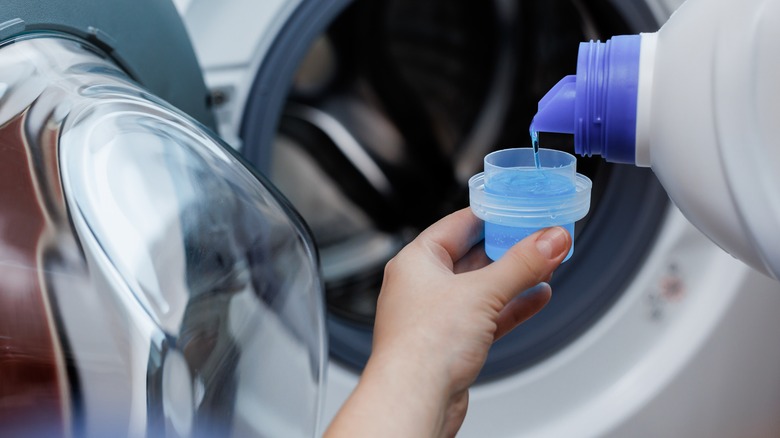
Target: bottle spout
[556, 109]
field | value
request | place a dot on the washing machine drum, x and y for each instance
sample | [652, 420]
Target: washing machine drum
[150, 282]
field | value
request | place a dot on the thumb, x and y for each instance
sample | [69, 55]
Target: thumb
[527, 263]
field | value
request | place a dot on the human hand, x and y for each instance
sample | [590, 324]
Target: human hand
[442, 305]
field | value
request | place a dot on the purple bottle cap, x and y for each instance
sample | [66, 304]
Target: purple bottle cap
[598, 105]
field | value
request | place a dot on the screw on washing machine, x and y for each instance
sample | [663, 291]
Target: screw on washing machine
[669, 289]
[217, 97]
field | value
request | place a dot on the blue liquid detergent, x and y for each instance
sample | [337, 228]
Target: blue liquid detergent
[535, 146]
[530, 185]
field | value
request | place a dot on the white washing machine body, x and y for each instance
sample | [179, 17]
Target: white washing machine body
[686, 350]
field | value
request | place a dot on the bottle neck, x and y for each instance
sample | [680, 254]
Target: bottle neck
[605, 109]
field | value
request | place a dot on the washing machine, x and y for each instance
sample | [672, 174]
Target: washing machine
[371, 115]
[145, 263]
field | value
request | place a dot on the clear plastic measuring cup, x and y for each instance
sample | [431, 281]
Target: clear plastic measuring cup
[515, 198]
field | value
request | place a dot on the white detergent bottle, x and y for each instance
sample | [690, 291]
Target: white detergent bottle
[698, 102]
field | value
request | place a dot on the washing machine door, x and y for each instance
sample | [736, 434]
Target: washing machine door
[151, 283]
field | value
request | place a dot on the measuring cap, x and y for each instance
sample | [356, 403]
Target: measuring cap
[515, 198]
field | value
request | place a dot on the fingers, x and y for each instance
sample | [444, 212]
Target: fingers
[456, 233]
[475, 259]
[527, 263]
[521, 308]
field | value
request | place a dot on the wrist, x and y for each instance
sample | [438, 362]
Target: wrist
[416, 395]
[429, 381]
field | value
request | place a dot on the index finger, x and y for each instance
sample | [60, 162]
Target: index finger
[456, 233]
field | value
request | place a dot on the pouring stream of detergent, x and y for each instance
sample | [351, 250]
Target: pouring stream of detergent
[535, 145]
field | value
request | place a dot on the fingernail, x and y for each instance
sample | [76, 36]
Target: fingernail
[552, 242]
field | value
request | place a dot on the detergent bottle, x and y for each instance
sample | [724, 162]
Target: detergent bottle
[699, 103]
